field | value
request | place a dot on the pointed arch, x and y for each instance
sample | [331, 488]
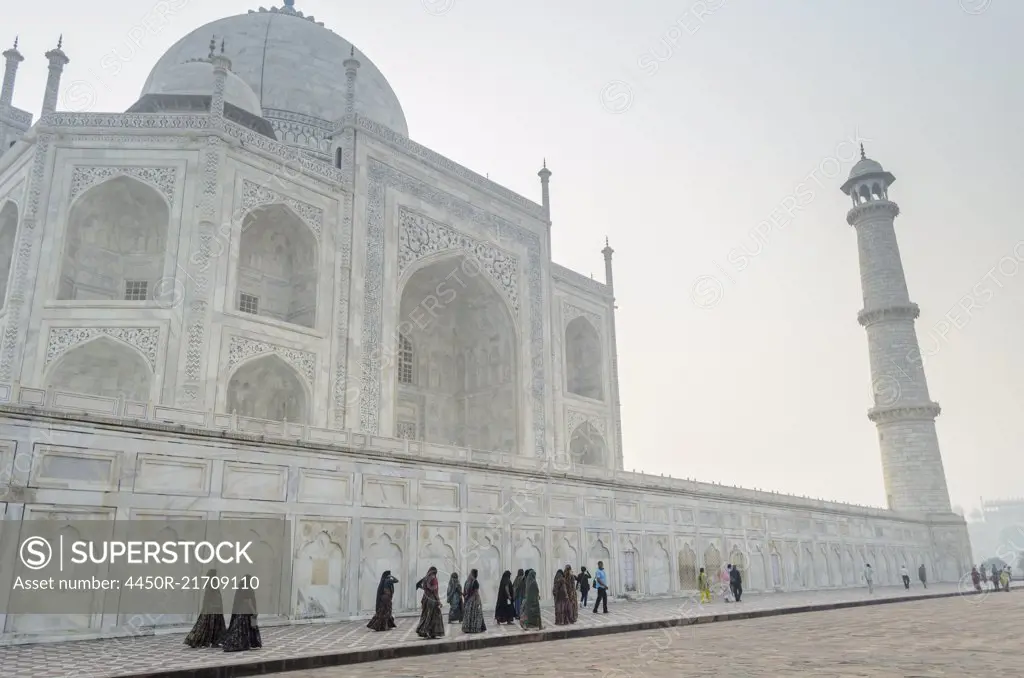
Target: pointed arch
[115, 243]
[587, 446]
[267, 387]
[277, 266]
[583, 359]
[454, 357]
[8, 242]
[102, 366]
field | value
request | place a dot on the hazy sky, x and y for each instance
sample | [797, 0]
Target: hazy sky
[676, 128]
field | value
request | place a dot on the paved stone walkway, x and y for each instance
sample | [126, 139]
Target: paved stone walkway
[959, 636]
[153, 654]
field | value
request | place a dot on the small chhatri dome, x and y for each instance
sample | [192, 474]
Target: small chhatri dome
[196, 78]
[865, 166]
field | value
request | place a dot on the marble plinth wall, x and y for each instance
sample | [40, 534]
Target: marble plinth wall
[361, 508]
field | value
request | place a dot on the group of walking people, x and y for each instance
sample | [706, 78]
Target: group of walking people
[999, 578]
[730, 581]
[518, 600]
[241, 633]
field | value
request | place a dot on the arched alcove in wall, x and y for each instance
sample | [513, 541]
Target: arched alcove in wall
[583, 372]
[455, 359]
[8, 238]
[103, 367]
[587, 446]
[267, 388]
[115, 243]
[277, 266]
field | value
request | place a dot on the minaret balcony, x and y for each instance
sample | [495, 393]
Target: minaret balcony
[870, 316]
[893, 413]
[872, 208]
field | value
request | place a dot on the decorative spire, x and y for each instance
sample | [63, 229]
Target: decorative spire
[16, 42]
[862, 156]
[213, 46]
[60, 41]
[222, 41]
[352, 50]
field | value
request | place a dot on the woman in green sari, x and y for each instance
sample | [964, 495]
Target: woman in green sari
[530, 615]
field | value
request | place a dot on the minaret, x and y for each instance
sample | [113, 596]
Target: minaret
[12, 59]
[903, 412]
[58, 60]
[616, 405]
[221, 66]
[545, 193]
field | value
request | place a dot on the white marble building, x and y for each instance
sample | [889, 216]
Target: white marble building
[252, 294]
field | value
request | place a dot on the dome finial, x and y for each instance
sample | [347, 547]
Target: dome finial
[60, 41]
[213, 46]
[352, 50]
[222, 41]
[16, 42]
[289, 3]
[862, 156]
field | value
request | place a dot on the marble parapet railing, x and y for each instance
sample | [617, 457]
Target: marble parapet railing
[84, 407]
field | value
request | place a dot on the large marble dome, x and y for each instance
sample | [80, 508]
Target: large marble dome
[292, 63]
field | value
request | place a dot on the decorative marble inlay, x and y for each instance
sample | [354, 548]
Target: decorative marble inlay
[160, 178]
[575, 419]
[255, 195]
[381, 177]
[579, 281]
[570, 313]
[242, 348]
[419, 236]
[437, 160]
[407, 429]
[22, 262]
[62, 339]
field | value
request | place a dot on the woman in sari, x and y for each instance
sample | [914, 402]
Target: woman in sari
[561, 598]
[243, 633]
[473, 622]
[209, 629]
[431, 619]
[384, 618]
[530, 614]
[519, 591]
[454, 598]
[570, 589]
[505, 608]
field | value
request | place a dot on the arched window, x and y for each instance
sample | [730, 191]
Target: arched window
[583, 359]
[405, 360]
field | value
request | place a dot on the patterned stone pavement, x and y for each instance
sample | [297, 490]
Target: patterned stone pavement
[959, 636]
[152, 654]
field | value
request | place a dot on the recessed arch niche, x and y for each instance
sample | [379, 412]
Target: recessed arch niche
[103, 367]
[268, 388]
[277, 266]
[583, 373]
[459, 332]
[115, 243]
[587, 446]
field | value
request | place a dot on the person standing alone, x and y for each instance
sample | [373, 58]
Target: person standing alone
[869, 577]
[922, 574]
[906, 577]
[735, 582]
[601, 584]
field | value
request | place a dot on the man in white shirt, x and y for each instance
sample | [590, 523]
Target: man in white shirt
[906, 577]
[869, 577]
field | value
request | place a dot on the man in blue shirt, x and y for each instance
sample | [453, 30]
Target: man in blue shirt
[601, 584]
